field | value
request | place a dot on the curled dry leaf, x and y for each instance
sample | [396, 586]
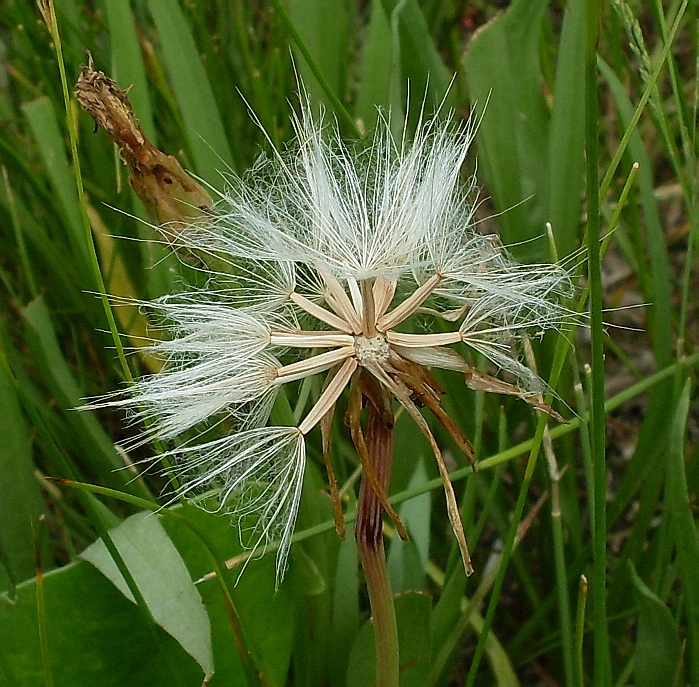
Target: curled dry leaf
[171, 196]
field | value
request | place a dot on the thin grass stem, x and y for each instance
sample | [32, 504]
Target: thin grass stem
[580, 632]
[49, 14]
[602, 662]
[563, 596]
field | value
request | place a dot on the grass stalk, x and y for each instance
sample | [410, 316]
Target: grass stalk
[602, 663]
[506, 455]
[564, 616]
[497, 459]
[508, 549]
[19, 235]
[49, 14]
[340, 109]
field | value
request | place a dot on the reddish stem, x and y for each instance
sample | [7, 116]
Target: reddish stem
[368, 532]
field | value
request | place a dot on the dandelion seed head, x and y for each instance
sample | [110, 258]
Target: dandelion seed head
[324, 256]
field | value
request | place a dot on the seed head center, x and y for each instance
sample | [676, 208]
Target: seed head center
[371, 349]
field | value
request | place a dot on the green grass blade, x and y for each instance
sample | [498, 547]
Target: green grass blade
[101, 518]
[97, 449]
[47, 9]
[127, 62]
[21, 504]
[376, 68]
[567, 132]
[602, 660]
[325, 87]
[44, 126]
[205, 132]
[564, 615]
[323, 28]
[650, 87]
[19, 233]
[424, 76]
[580, 632]
[684, 531]
[504, 77]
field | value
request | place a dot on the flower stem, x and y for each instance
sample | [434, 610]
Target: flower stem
[369, 535]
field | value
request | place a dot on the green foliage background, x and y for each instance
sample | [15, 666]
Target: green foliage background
[624, 526]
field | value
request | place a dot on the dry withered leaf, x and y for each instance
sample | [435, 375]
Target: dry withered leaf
[172, 197]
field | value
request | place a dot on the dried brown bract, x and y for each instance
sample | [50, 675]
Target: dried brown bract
[172, 197]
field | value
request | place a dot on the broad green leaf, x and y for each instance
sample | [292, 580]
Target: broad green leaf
[162, 579]
[193, 91]
[307, 572]
[345, 618]
[266, 615]
[95, 636]
[313, 610]
[658, 648]
[447, 609]
[504, 80]
[98, 638]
